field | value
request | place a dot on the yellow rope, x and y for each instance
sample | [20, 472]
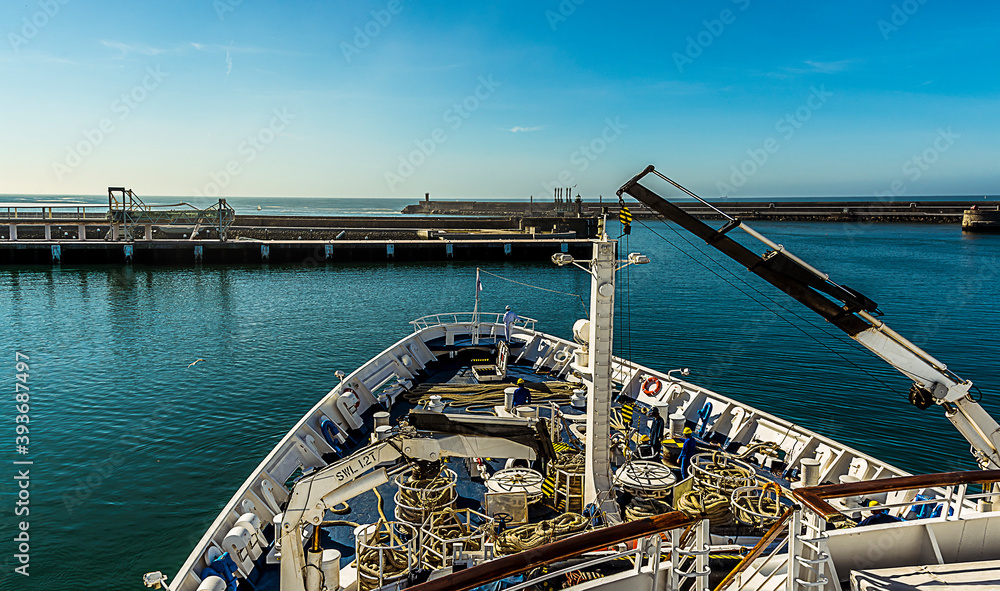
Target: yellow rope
[462, 395]
[380, 501]
[642, 507]
[423, 496]
[447, 526]
[533, 535]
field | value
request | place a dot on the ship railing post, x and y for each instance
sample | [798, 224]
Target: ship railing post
[959, 502]
[701, 541]
[946, 505]
[793, 550]
[672, 578]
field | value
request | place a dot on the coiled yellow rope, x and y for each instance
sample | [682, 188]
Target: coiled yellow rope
[723, 475]
[423, 496]
[462, 395]
[707, 503]
[642, 507]
[760, 511]
[447, 526]
[394, 557]
[533, 535]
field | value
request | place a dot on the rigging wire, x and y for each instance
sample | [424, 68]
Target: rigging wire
[628, 302]
[575, 295]
[769, 298]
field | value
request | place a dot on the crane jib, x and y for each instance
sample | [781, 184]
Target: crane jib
[855, 315]
[776, 268]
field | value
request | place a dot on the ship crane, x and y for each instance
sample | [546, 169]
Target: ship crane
[848, 310]
[434, 438]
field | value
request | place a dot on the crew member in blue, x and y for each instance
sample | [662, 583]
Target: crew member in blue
[509, 317]
[656, 430]
[879, 516]
[689, 448]
[522, 395]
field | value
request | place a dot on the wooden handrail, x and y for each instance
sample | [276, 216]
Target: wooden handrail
[814, 497]
[515, 564]
[757, 550]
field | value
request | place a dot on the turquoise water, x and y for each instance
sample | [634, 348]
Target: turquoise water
[135, 452]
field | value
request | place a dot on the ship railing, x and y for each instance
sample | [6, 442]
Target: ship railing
[648, 555]
[472, 320]
[770, 552]
[807, 562]
[810, 564]
[689, 561]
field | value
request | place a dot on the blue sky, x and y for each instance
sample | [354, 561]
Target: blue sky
[499, 99]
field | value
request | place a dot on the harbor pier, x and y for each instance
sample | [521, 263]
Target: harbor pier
[306, 252]
[128, 230]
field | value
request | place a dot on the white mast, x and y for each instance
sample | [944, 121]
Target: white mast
[597, 372]
[597, 482]
[475, 311]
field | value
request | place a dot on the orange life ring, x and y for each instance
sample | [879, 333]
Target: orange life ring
[651, 386]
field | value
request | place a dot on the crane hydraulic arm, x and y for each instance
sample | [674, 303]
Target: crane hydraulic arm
[371, 467]
[845, 308]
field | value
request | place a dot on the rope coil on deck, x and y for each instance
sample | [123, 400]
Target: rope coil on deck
[463, 395]
[641, 507]
[447, 527]
[418, 497]
[533, 535]
[723, 473]
[386, 551]
[753, 507]
[707, 503]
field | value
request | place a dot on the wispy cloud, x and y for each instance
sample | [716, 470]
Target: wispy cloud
[235, 49]
[810, 67]
[518, 129]
[813, 66]
[229, 60]
[127, 48]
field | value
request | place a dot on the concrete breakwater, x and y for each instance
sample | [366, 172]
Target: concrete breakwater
[981, 219]
[908, 211]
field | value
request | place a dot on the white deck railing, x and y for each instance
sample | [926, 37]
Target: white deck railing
[468, 318]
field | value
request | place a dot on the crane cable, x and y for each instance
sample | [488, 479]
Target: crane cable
[890, 389]
[575, 295]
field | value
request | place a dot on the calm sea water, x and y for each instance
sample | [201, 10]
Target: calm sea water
[135, 452]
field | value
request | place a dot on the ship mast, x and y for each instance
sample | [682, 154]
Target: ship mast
[595, 365]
